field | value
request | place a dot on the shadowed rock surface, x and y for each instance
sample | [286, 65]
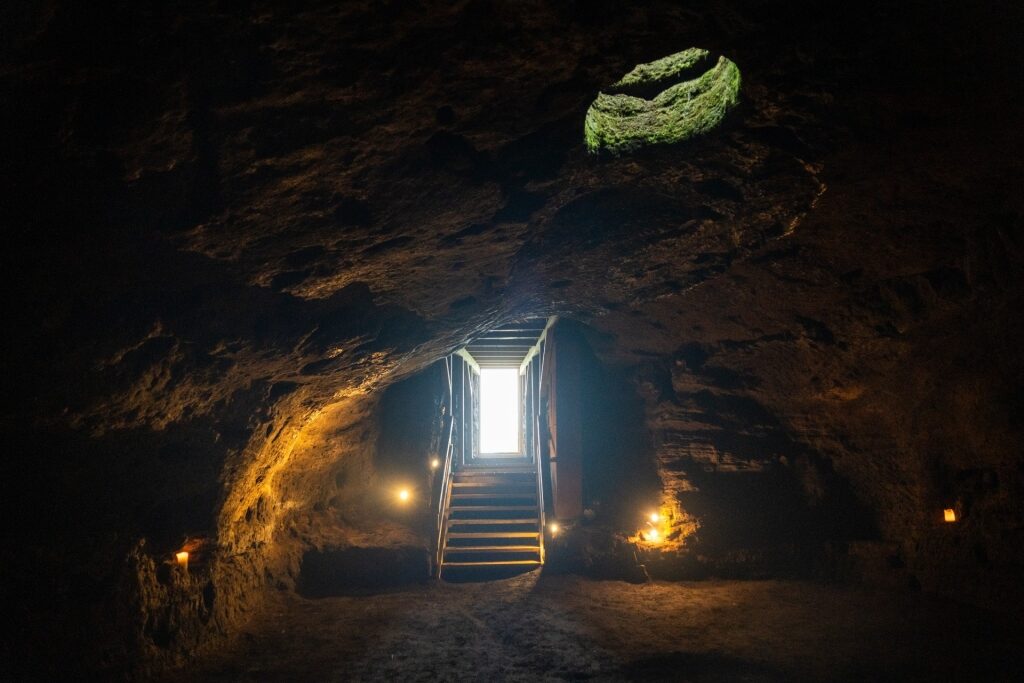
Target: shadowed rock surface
[567, 628]
[234, 234]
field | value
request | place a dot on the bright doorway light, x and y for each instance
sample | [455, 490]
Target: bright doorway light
[499, 410]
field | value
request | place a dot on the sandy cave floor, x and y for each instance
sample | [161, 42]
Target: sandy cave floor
[533, 627]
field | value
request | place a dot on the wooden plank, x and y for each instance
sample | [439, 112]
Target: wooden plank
[493, 534]
[495, 563]
[495, 483]
[481, 496]
[492, 522]
[464, 355]
[492, 508]
[535, 349]
[479, 353]
[520, 328]
[493, 548]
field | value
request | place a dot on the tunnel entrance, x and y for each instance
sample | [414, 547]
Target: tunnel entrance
[579, 457]
[491, 507]
[539, 437]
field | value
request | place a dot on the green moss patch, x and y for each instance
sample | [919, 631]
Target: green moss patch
[620, 122]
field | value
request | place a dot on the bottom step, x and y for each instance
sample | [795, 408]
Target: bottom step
[492, 548]
[496, 563]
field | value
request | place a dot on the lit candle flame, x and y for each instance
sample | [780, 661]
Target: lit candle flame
[182, 558]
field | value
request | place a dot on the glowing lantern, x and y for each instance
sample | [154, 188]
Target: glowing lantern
[182, 559]
[949, 515]
[655, 517]
[652, 535]
[403, 495]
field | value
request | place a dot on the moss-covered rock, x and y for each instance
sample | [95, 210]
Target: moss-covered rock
[622, 122]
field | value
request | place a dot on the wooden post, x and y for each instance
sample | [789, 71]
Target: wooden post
[565, 420]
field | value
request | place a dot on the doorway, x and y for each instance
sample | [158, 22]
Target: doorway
[500, 413]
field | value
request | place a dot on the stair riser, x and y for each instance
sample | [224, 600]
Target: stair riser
[492, 557]
[510, 563]
[477, 542]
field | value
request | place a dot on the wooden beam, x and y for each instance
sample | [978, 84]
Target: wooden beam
[536, 347]
[462, 353]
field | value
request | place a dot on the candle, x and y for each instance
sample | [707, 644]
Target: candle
[182, 558]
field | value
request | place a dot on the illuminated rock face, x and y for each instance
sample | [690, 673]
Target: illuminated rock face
[621, 122]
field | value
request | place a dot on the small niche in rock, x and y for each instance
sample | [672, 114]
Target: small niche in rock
[360, 571]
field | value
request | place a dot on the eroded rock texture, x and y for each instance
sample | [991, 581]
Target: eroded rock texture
[229, 231]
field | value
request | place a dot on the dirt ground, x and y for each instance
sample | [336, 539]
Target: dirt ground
[533, 627]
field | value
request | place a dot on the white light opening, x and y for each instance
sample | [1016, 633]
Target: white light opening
[499, 410]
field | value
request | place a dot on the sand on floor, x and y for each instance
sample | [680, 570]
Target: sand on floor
[535, 627]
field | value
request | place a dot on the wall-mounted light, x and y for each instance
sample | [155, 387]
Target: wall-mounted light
[435, 463]
[553, 528]
[182, 558]
[403, 495]
[949, 515]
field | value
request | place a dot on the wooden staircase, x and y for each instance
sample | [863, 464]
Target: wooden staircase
[491, 518]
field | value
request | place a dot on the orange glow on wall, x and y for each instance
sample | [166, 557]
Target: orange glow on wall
[949, 515]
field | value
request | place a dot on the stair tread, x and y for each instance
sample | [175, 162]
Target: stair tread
[506, 468]
[460, 522]
[491, 563]
[493, 534]
[492, 549]
[485, 484]
[478, 496]
[516, 477]
[490, 508]
[498, 469]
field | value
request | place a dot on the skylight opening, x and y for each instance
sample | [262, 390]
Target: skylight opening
[499, 410]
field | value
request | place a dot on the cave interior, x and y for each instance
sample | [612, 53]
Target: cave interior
[750, 275]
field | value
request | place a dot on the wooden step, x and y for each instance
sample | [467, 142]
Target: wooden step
[511, 470]
[462, 522]
[490, 508]
[479, 496]
[491, 563]
[503, 484]
[492, 549]
[493, 534]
